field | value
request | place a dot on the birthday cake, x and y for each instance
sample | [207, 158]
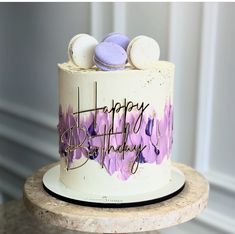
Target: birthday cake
[115, 116]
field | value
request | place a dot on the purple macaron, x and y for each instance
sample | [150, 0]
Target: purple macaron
[117, 38]
[110, 56]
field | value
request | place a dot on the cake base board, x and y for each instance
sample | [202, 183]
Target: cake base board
[56, 188]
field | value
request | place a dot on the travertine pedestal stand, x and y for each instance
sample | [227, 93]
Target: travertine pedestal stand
[181, 208]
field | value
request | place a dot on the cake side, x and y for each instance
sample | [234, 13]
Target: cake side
[115, 129]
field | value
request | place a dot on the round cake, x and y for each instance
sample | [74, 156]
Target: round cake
[115, 128]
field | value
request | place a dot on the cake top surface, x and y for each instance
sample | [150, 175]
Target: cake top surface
[70, 67]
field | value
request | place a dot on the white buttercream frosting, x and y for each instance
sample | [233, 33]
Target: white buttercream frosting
[154, 86]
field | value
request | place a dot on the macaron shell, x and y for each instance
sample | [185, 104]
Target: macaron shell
[110, 56]
[70, 45]
[143, 52]
[117, 38]
[129, 48]
[81, 50]
[106, 67]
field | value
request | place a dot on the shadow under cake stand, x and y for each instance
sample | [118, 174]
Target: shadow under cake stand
[179, 209]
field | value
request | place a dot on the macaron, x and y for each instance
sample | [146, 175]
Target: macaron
[81, 49]
[117, 38]
[143, 52]
[109, 56]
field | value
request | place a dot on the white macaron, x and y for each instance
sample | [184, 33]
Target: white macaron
[81, 49]
[143, 52]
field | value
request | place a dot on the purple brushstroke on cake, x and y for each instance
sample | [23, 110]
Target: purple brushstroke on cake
[156, 133]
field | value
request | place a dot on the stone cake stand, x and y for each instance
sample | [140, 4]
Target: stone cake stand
[179, 209]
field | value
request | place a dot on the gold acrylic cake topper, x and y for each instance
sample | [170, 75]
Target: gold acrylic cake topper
[106, 147]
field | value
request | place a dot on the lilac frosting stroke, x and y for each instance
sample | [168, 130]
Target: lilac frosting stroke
[156, 133]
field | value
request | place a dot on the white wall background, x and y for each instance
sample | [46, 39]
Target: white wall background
[197, 37]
